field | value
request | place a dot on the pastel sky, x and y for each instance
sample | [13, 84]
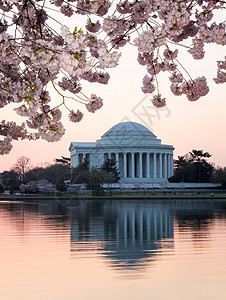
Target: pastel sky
[183, 124]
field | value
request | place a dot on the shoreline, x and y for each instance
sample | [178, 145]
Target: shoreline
[119, 197]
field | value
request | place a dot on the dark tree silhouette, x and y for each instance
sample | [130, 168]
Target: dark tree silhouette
[11, 180]
[181, 164]
[219, 176]
[51, 173]
[61, 186]
[202, 169]
[64, 160]
[80, 174]
[21, 166]
[111, 170]
[95, 183]
[193, 167]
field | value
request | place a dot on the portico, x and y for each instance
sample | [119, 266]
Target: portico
[139, 155]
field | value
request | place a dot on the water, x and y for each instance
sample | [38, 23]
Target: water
[113, 250]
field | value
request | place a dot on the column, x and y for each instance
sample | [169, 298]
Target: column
[87, 157]
[132, 165]
[165, 165]
[124, 165]
[171, 156]
[80, 158]
[169, 169]
[102, 158]
[140, 165]
[74, 161]
[154, 165]
[117, 160]
[160, 165]
[148, 165]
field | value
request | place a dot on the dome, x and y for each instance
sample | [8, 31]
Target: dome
[128, 134]
[127, 129]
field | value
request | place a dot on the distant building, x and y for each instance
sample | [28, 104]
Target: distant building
[139, 155]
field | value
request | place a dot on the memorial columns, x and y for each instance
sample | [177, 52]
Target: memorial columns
[154, 165]
[132, 165]
[140, 165]
[169, 166]
[117, 160]
[124, 164]
[171, 159]
[160, 165]
[165, 165]
[148, 165]
[74, 161]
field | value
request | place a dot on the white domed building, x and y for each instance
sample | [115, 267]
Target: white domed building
[139, 155]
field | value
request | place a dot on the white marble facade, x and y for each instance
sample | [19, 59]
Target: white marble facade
[139, 155]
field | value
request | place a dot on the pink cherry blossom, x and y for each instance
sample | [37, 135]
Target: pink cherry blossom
[148, 86]
[158, 101]
[36, 57]
[75, 116]
[94, 104]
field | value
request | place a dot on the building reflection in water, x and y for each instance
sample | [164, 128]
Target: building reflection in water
[128, 234]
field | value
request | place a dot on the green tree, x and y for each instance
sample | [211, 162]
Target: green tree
[202, 170]
[2, 189]
[219, 176]
[95, 183]
[11, 180]
[61, 186]
[181, 168]
[81, 173]
[64, 160]
[54, 172]
[34, 174]
[111, 173]
[192, 167]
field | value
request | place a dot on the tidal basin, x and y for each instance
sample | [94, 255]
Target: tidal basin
[121, 249]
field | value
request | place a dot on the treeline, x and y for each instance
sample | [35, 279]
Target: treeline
[193, 167]
[58, 176]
